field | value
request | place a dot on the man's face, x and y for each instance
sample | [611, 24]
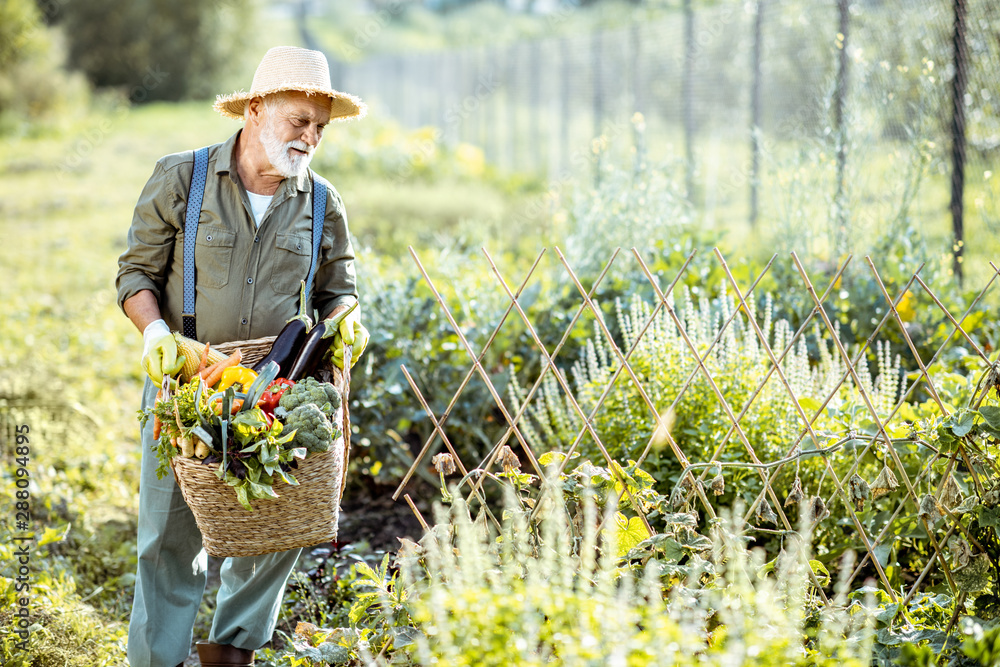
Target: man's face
[292, 126]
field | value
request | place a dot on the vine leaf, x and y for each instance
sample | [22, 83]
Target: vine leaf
[991, 415]
[630, 532]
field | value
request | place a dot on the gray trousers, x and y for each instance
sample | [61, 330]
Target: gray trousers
[171, 576]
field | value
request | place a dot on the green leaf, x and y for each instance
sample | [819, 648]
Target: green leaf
[262, 490]
[693, 542]
[989, 517]
[630, 533]
[881, 552]
[53, 535]
[404, 636]
[961, 422]
[668, 546]
[886, 614]
[810, 405]
[242, 496]
[991, 415]
[550, 458]
[822, 574]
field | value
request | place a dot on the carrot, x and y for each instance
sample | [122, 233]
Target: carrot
[217, 406]
[157, 424]
[204, 358]
[213, 373]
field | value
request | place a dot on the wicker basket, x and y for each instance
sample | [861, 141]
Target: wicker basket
[301, 516]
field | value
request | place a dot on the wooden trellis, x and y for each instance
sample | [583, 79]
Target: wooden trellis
[868, 541]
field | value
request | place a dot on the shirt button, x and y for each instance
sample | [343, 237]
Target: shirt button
[243, 321]
[256, 239]
[208, 237]
[249, 281]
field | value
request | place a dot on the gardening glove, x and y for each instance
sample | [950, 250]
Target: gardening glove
[159, 351]
[351, 332]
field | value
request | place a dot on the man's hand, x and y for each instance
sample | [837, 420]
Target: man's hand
[159, 351]
[351, 332]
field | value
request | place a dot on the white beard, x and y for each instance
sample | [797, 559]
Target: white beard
[287, 163]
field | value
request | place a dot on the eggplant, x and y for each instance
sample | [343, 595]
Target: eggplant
[316, 345]
[285, 347]
[289, 340]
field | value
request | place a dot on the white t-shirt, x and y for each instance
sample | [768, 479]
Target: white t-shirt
[259, 204]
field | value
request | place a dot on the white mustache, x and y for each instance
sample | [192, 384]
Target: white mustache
[300, 145]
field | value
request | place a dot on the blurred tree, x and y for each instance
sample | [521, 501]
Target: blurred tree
[157, 49]
[34, 87]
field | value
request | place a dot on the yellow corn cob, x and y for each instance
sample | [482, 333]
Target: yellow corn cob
[192, 349]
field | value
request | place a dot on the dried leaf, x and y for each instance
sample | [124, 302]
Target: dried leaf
[951, 494]
[992, 497]
[795, 496]
[859, 491]
[686, 483]
[444, 463]
[929, 509]
[961, 549]
[409, 549]
[305, 631]
[765, 514]
[718, 485]
[818, 509]
[885, 483]
[508, 460]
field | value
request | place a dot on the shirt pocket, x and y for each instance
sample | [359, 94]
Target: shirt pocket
[292, 255]
[213, 255]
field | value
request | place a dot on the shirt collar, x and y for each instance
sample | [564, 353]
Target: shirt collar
[226, 164]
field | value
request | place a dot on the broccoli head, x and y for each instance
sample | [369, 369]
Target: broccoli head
[310, 390]
[312, 429]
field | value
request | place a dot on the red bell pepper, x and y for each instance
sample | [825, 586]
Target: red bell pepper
[269, 399]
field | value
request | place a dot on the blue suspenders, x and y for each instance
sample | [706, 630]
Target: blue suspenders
[195, 197]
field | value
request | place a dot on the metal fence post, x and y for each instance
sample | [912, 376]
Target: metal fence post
[758, 29]
[564, 92]
[958, 85]
[840, 131]
[687, 91]
[534, 93]
[512, 124]
[598, 95]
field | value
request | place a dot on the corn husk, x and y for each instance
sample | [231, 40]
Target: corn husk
[192, 351]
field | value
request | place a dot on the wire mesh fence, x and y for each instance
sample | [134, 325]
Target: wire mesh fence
[810, 428]
[837, 103]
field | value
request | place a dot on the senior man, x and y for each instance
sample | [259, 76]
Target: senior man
[251, 242]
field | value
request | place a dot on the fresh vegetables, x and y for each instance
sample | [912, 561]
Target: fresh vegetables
[316, 345]
[213, 373]
[240, 426]
[269, 399]
[310, 390]
[286, 345]
[196, 355]
[236, 375]
[311, 427]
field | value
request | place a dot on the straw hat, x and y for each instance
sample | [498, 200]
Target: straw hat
[292, 68]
